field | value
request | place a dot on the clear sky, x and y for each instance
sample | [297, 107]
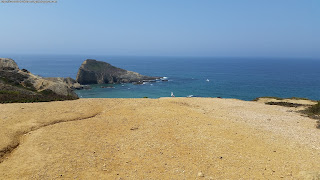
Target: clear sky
[277, 28]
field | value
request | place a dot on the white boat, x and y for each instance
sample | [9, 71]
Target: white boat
[207, 80]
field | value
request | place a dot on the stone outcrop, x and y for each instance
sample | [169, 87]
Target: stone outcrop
[71, 83]
[22, 86]
[8, 64]
[57, 87]
[98, 72]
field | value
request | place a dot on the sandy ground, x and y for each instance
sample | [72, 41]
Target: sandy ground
[167, 138]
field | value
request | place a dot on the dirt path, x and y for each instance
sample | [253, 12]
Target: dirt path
[168, 138]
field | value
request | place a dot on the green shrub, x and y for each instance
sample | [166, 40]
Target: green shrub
[286, 104]
[314, 112]
[298, 98]
[16, 97]
[277, 98]
[9, 92]
[315, 109]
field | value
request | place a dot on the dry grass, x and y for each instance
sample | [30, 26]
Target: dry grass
[314, 112]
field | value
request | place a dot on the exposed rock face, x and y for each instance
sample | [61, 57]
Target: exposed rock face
[71, 83]
[58, 87]
[22, 86]
[97, 72]
[8, 64]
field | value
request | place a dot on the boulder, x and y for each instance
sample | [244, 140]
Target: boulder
[8, 64]
[98, 72]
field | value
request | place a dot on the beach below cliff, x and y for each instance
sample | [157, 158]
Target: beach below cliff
[166, 138]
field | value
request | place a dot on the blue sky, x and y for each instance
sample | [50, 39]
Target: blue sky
[268, 28]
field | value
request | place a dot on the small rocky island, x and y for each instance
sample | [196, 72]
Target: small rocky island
[98, 72]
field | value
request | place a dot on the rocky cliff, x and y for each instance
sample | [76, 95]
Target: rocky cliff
[18, 85]
[97, 72]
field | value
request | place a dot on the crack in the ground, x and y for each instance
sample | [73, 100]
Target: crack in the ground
[16, 141]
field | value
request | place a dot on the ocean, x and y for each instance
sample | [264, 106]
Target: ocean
[240, 78]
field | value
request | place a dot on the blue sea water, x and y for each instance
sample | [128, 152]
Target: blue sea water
[241, 78]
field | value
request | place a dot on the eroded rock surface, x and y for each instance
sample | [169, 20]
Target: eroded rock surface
[8, 64]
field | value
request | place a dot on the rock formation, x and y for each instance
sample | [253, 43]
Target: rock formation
[8, 64]
[97, 72]
[22, 86]
[71, 83]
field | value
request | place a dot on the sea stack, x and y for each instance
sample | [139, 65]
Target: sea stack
[98, 72]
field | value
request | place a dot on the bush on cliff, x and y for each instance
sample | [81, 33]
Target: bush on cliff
[315, 109]
[279, 98]
[314, 112]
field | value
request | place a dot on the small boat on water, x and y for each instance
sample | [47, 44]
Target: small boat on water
[164, 79]
[207, 80]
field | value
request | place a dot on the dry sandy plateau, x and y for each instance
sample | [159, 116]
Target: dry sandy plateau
[166, 138]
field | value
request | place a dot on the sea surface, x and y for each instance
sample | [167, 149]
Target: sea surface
[240, 78]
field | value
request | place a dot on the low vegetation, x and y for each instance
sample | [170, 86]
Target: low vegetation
[314, 112]
[16, 88]
[13, 92]
[315, 109]
[279, 98]
[9, 92]
[286, 104]
[299, 98]
[270, 97]
[44, 96]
